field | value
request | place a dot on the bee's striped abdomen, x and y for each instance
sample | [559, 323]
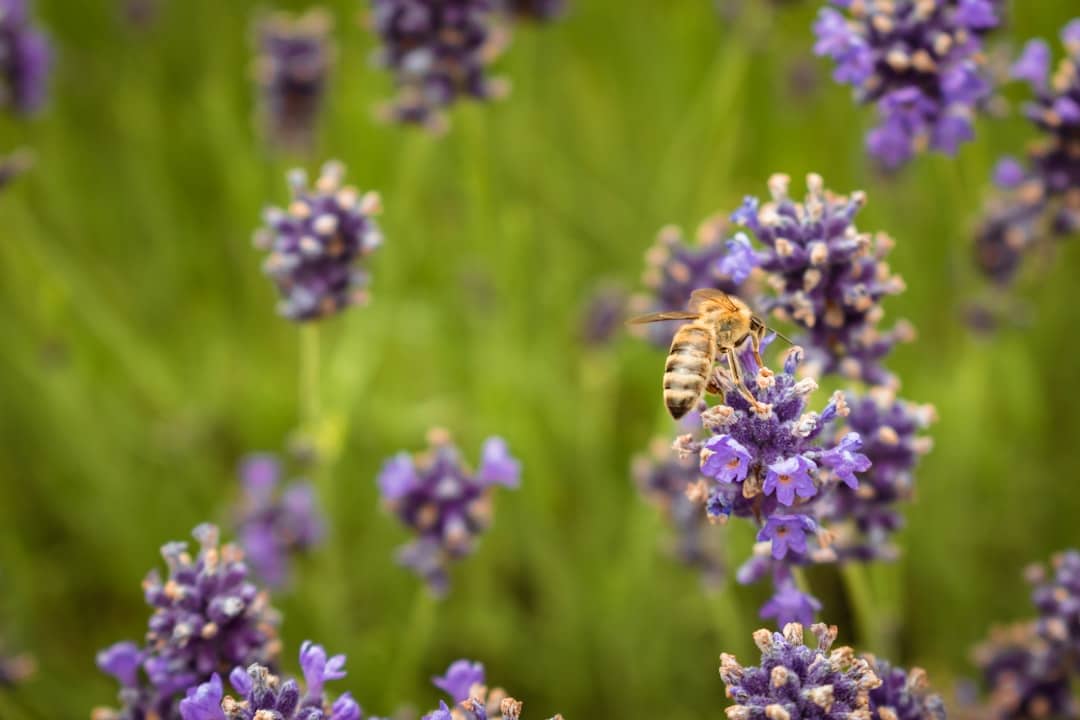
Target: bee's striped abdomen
[687, 369]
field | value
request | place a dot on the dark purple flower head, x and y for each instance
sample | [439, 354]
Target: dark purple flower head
[292, 68]
[25, 59]
[827, 276]
[864, 518]
[315, 245]
[903, 695]
[1057, 599]
[1040, 199]
[799, 682]
[664, 477]
[207, 617]
[1028, 678]
[675, 268]
[275, 522]
[920, 62]
[538, 10]
[264, 696]
[443, 501]
[439, 51]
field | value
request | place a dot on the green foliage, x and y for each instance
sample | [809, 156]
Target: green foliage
[141, 356]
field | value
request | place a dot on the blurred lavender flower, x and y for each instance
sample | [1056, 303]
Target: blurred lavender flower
[828, 277]
[207, 618]
[13, 165]
[1057, 599]
[464, 682]
[274, 521]
[444, 502]
[663, 477]
[292, 69]
[14, 669]
[920, 62]
[539, 10]
[265, 696]
[141, 13]
[903, 695]
[772, 463]
[25, 59]
[316, 243]
[675, 268]
[604, 313]
[863, 519]
[1040, 200]
[1027, 677]
[438, 51]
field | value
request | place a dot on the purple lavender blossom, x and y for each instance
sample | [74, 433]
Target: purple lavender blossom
[799, 682]
[863, 519]
[828, 277]
[25, 59]
[292, 68]
[15, 669]
[464, 683]
[264, 695]
[1057, 599]
[444, 502]
[789, 604]
[603, 315]
[675, 268]
[663, 477]
[1039, 200]
[903, 695]
[920, 62]
[439, 51]
[1027, 677]
[207, 618]
[316, 244]
[275, 522]
[536, 10]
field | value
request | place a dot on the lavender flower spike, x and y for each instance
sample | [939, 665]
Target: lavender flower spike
[275, 522]
[444, 502]
[920, 62]
[828, 277]
[1040, 199]
[439, 52]
[813, 682]
[264, 695]
[207, 618]
[25, 59]
[291, 70]
[316, 244]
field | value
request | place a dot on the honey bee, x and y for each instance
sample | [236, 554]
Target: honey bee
[719, 324]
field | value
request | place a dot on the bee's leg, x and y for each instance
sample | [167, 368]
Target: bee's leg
[755, 346]
[737, 376]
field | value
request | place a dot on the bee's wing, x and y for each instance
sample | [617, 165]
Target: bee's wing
[712, 295]
[657, 317]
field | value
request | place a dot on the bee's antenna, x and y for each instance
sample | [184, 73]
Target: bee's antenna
[782, 336]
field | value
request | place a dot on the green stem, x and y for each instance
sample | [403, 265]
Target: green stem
[309, 378]
[801, 582]
[861, 598]
[414, 643]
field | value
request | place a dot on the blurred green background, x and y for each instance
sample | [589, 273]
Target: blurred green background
[141, 356]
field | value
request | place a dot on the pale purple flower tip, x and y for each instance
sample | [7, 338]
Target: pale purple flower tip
[740, 260]
[443, 713]
[318, 669]
[844, 461]
[240, 680]
[497, 466]
[787, 533]
[346, 708]
[790, 605]
[122, 661]
[726, 459]
[1070, 35]
[460, 678]
[1033, 65]
[789, 477]
[204, 701]
[398, 477]
[1009, 173]
[25, 59]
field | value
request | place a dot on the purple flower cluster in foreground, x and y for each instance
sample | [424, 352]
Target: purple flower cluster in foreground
[919, 62]
[1029, 667]
[464, 682]
[826, 276]
[795, 681]
[437, 496]
[275, 522]
[261, 695]
[663, 477]
[292, 68]
[207, 618]
[775, 463]
[25, 59]
[1040, 198]
[316, 243]
[439, 51]
[675, 268]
